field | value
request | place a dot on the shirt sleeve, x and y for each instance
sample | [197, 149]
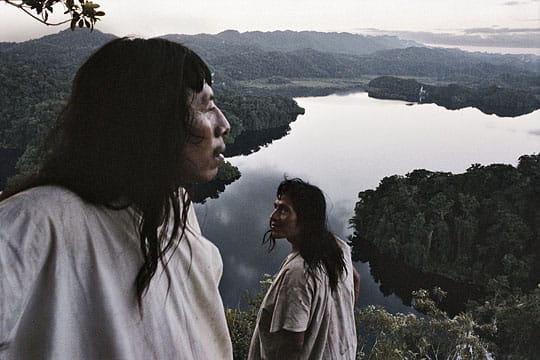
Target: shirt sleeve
[293, 301]
[23, 250]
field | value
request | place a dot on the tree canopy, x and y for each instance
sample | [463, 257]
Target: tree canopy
[81, 13]
[469, 227]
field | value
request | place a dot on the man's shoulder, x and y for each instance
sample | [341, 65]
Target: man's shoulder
[42, 200]
[47, 206]
[342, 244]
[294, 262]
[41, 195]
[293, 268]
[295, 273]
[346, 248]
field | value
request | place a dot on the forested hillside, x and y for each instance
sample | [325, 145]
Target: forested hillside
[439, 64]
[254, 55]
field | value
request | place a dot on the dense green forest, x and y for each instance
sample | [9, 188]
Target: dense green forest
[470, 227]
[490, 100]
[481, 227]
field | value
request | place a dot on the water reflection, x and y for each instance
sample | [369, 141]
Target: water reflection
[398, 278]
[236, 223]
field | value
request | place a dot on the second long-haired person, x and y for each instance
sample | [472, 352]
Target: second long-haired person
[308, 312]
[101, 255]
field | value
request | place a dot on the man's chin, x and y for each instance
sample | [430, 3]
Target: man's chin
[205, 177]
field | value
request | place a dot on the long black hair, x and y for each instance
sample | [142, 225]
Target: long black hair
[118, 141]
[317, 246]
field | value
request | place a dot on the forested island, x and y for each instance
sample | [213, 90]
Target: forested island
[480, 229]
[490, 100]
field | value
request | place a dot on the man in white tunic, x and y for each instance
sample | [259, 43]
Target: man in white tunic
[308, 312]
[101, 254]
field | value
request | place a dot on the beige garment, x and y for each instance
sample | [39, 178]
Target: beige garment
[67, 271]
[300, 303]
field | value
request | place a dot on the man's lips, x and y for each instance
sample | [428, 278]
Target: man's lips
[218, 152]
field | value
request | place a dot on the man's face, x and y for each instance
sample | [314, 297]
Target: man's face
[284, 221]
[203, 154]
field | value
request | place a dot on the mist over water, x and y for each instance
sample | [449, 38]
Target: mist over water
[347, 144]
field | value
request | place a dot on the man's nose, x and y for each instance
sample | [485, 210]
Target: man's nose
[222, 127]
[273, 215]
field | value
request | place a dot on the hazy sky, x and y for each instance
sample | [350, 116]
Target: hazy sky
[500, 23]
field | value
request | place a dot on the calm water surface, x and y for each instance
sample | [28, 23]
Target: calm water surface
[346, 144]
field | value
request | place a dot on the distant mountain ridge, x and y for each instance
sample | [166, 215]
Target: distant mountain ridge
[65, 39]
[287, 41]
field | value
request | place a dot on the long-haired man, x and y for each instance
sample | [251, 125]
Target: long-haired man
[308, 311]
[101, 255]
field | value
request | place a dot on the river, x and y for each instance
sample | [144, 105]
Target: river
[345, 144]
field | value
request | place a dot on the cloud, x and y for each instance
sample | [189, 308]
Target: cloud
[495, 30]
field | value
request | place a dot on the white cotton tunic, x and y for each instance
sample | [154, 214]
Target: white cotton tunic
[67, 272]
[298, 302]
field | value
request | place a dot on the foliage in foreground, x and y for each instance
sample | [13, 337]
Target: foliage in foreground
[386, 336]
[515, 316]
[83, 13]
